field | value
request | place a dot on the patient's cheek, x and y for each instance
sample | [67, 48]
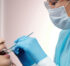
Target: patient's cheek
[4, 61]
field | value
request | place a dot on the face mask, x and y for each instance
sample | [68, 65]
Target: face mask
[59, 17]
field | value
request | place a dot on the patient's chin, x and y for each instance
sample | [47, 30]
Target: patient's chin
[6, 62]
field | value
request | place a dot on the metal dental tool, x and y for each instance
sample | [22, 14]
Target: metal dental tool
[10, 49]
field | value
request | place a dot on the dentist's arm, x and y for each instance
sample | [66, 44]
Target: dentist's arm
[32, 48]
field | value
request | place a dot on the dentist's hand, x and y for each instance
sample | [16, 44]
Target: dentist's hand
[31, 47]
[24, 57]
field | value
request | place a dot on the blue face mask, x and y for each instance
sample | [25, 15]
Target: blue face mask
[59, 17]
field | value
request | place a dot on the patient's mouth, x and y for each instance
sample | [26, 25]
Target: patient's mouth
[3, 52]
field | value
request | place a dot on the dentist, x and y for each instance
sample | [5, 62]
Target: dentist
[28, 49]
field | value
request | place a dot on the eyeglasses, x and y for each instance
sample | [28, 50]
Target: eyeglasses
[48, 4]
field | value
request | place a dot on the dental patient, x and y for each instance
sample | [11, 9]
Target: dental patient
[4, 56]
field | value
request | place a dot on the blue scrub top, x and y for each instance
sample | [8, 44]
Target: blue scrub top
[62, 53]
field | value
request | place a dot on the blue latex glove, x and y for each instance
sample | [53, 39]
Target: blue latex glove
[62, 53]
[31, 47]
[25, 58]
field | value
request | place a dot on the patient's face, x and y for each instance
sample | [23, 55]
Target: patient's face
[4, 57]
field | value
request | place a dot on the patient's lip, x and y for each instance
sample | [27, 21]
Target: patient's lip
[7, 55]
[4, 53]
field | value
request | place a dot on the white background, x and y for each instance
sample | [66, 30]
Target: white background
[0, 18]
[21, 17]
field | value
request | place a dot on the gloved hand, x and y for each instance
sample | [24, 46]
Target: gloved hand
[31, 47]
[24, 57]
